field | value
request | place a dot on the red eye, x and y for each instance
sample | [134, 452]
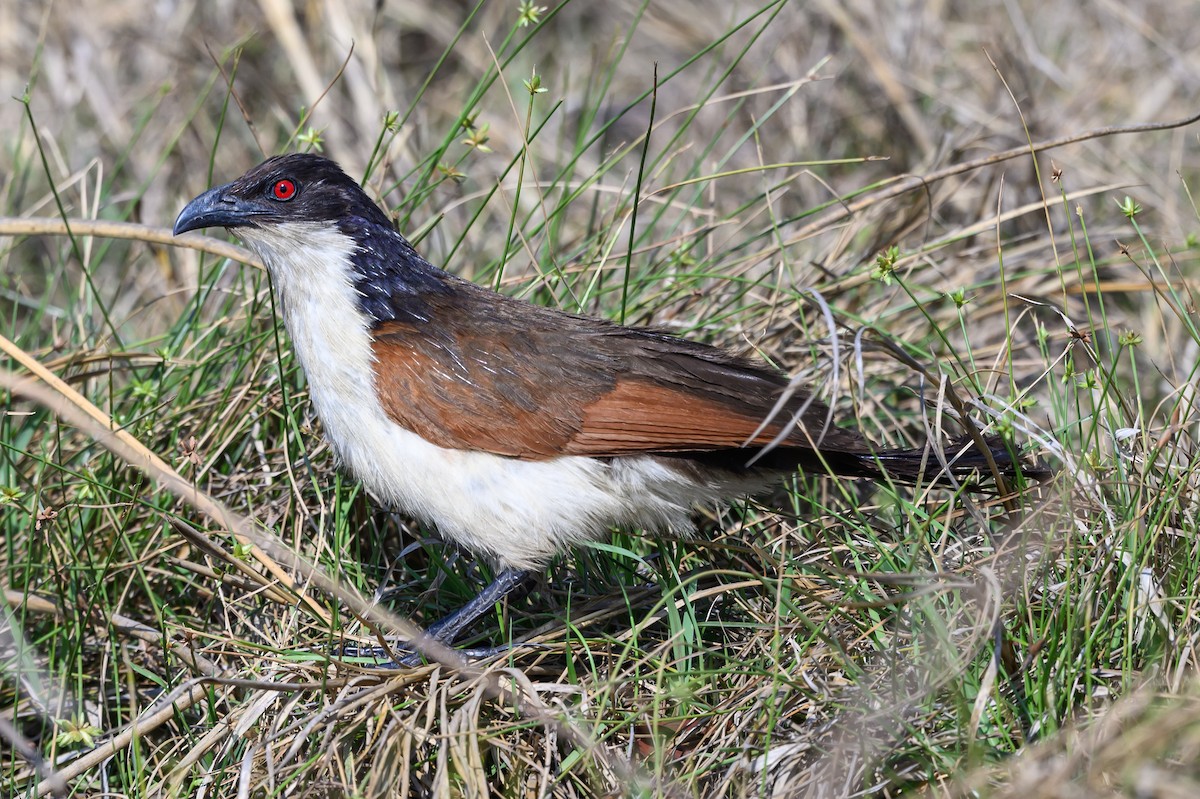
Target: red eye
[283, 189]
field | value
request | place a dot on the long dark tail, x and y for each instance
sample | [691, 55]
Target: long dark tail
[961, 460]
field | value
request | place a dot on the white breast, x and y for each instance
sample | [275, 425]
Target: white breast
[518, 512]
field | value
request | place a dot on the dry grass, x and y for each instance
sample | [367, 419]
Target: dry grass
[836, 639]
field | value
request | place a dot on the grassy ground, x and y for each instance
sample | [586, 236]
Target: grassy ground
[733, 172]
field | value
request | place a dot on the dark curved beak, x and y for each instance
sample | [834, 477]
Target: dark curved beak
[214, 208]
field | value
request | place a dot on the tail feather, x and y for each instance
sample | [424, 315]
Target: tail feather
[957, 461]
[963, 459]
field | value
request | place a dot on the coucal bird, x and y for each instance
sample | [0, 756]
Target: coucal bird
[515, 430]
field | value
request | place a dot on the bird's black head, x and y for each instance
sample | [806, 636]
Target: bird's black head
[299, 187]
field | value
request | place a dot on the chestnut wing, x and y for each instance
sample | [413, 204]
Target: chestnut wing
[494, 375]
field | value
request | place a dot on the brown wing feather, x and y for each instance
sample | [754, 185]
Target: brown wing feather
[531, 383]
[462, 394]
[643, 417]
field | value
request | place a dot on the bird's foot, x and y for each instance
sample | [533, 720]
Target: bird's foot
[446, 631]
[404, 655]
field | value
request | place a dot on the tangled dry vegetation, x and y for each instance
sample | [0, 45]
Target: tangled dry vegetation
[819, 183]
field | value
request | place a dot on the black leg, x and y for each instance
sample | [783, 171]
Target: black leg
[447, 630]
